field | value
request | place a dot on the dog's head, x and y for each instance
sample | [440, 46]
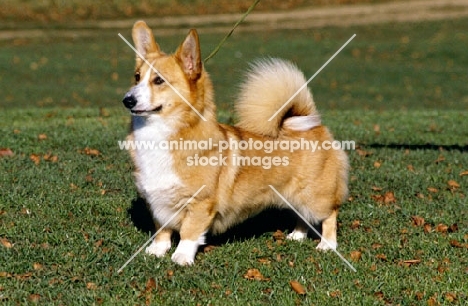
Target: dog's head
[166, 85]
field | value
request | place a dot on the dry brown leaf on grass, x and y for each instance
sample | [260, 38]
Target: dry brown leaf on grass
[418, 221]
[278, 235]
[432, 189]
[356, 224]
[6, 152]
[91, 286]
[150, 284]
[254, 274]
[464, 173]
[90, 152]
[441, 228]
[453, 185]
[35, 158]
[297, 287]
[439, 159]
[363, 153]
[410, 262]
[356, 256]
[6, 243]
[42, 136]
[34, 298]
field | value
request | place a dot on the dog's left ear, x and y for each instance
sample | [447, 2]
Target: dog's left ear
[189, 55]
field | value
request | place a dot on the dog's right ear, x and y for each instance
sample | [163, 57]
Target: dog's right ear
[144, 39]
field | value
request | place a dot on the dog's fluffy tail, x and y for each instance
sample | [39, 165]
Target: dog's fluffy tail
[263, 106]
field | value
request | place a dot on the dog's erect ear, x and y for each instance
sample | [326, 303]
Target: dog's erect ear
[189, 55]
[144, 39]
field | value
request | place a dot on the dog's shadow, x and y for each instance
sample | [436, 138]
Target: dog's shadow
[269, 220]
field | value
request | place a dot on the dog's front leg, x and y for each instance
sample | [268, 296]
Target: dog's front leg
[161, 243]
[195, 224]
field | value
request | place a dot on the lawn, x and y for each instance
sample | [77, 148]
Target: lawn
[70, 218]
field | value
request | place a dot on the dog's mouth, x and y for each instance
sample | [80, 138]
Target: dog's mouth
[153, 111]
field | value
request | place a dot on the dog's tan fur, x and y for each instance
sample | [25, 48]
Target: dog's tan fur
[315, 183]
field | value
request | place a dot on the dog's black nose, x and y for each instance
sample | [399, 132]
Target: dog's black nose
[129, 101]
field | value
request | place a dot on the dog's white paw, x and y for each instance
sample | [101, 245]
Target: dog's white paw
[184, 255]
[182, 259]
[297, 235]
[159, 249]
[326, 245]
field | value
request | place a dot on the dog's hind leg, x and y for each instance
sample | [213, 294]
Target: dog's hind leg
[299, 232]
[328, 241]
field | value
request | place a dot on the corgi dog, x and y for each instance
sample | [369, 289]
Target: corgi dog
[195, 189]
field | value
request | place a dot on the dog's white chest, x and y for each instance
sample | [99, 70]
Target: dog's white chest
[156, 179]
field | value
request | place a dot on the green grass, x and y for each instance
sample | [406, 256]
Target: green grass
[69, 224]
[405, 66]
[65, 222]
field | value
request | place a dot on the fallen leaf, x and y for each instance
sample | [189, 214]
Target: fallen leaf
[98, 243]
[378, 198]
[410, 168]
[419, 295]
[389, 197]
[297, 287]
[34, 298]
[335, 294]
[464, 173]
[363, 153]
[5, 152]
[91, 286]
[410, 262]
[377, 164]
[453, 228]
[254, 274]
[50, 157]
[356, 256]
[264, 261]
[427, 228]
[209, 248]
[432, 189]
[441, 228]
[91, 152]
[455, 243]
[432, 301]
[150, 284]
[375, 188]
[377, 246]
[278, 235]
[356, 224]
[381, 257]
[42, 136]
[451, 297]
[35, 158]
[37, 266]
[6, 243]
[418, 221]
[453, 184]
[439, 159]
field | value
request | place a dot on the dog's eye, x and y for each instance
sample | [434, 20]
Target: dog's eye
[137, 76]
[158, 80]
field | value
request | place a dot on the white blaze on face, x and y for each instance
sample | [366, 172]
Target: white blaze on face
[142, 93]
